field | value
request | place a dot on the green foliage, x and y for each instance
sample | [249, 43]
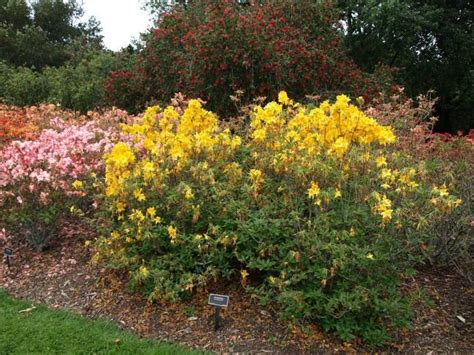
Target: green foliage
[77, 86]
[45, 32]
[430, 42]
[81, 87]
[55, 332]
[38, 227]
[16, 13]
[22, 86]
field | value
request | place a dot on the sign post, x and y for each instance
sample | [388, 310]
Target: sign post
[218, 301]
[8, 253]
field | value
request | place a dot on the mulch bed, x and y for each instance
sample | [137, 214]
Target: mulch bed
[62, 277]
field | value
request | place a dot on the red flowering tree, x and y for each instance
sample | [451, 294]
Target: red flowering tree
[212, 49]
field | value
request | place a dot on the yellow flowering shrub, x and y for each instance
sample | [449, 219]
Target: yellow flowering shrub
[306, 207]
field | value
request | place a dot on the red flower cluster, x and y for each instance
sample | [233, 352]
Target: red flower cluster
[14, 125]
[212, 50]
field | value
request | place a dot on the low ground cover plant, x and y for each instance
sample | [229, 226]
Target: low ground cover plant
[307, 205]
[78, 335]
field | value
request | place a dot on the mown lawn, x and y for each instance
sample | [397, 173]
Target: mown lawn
[46, 331]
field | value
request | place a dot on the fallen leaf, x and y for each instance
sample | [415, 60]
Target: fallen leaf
[27, 310]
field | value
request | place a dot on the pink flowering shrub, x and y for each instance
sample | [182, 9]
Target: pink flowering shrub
[41, 179]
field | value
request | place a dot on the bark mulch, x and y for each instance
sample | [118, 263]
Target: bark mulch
[62, 277]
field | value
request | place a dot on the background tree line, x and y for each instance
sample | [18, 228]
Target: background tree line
[48, 52]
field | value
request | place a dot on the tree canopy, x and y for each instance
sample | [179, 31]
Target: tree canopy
[431, 43]
[44, 32]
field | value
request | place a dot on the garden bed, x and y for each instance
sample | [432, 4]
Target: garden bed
[63, 278]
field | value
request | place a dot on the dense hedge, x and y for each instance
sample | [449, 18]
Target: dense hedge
[78, 86]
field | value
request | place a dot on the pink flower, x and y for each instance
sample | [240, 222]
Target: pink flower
[44, 197]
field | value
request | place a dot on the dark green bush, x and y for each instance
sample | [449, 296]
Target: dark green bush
[22, 86]
[79, 87]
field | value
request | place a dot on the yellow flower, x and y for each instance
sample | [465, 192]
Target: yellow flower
[151, 211]
[172, 234]
[443, 191]
[139, 195]
[120, 156]
[256, 176]
[292, 136]
[385, 174]
[148, 167]
[314, 190]
[337, 193]
[340, 146]
[386, 214]
[120, 207]
[143, 271]
[380, 161]
[370, 256]
[77, 184]
[284, 99]
[188, 193]
[259, 134]
[137, 215]
[243, 275]
[384, 207]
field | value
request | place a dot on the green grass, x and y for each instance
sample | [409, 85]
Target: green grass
[44, 331]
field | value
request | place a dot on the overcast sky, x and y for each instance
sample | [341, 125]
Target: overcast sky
[121, 20]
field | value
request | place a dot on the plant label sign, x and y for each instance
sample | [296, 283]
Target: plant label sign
[8, 253]
[218, 300]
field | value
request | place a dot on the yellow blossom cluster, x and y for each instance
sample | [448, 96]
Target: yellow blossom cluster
[164, 135]
[383, 207]
[299, 131]
[442, 199]
[163, 151]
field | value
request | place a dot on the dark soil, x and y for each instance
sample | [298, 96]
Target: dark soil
[62, 277]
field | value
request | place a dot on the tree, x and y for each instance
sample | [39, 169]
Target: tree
[430, 42]
[157, 7]
[213, 49]
[15, 13]
[44, 32]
